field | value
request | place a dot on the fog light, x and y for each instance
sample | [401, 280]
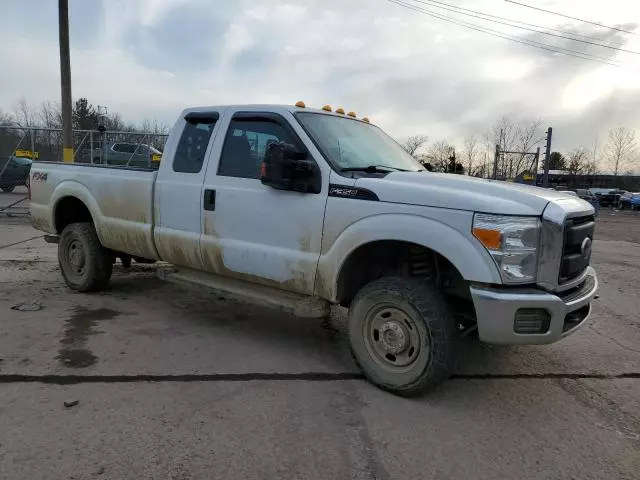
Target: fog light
[531, 320]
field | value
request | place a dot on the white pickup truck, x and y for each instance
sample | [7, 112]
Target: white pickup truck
[301, 209]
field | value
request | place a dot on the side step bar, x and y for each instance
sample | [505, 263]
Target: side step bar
[298, 305]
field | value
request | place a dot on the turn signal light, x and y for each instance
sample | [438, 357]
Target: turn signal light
[492, 239]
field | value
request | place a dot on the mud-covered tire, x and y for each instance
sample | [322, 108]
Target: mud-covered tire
[414, 310]
[85, 264]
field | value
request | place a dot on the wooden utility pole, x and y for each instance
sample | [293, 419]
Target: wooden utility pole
[65, 81]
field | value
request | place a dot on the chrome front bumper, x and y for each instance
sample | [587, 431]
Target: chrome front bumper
[496, 311]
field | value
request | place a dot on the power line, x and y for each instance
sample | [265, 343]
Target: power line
[572, 18]
[436, 3]
[531, 29]
[531, 43]
[495, 33]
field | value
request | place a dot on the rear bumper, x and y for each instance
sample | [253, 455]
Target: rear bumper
[496, 310]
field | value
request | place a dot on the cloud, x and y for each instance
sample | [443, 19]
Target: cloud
[410, 73]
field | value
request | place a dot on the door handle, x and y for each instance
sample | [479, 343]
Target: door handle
[209, 201]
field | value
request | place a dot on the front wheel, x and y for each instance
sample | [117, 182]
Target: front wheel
[8, 189]
[402, 335]
[85, 264]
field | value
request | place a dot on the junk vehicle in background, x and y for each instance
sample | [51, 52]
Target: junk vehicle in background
[14, 170]
[585, 194]
[129, 154]
[629, 200]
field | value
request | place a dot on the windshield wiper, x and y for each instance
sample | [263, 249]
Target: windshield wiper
[373, 169]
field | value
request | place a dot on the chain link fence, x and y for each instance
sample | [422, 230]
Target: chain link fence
[19, 147]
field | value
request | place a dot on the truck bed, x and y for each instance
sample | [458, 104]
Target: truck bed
[119, 200]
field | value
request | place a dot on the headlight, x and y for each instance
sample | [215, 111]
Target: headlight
[512, 242]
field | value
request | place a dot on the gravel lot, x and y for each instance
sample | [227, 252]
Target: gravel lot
[176, 383]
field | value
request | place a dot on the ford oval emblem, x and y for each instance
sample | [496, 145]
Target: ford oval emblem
[585, 248]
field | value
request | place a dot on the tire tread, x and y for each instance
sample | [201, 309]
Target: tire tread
[431, 306]
[99, 263]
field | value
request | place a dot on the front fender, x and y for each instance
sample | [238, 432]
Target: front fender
[463, 251]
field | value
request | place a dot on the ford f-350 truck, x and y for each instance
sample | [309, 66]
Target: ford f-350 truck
[301, 209]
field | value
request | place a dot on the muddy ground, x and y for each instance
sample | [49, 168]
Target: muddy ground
[176, 383]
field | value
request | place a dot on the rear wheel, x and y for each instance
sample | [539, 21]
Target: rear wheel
[402, 335]
[8, 189]
[85, 264]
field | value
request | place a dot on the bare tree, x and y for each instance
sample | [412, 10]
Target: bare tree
[414, 143]
[512, 136]
[504, 135]
[529, 136]
[620, 148]
[154, 126]
[49, 115]
[438, 155]
[48, 142]
[6, 120]
[25, 115]
[488, 155]
[579, 162]
[113, 122]
[595, 151]
[470, 153]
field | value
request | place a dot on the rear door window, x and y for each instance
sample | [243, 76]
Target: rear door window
[192, 145]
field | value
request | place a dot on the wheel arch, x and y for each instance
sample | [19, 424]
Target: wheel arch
[72, 202]
[468, 257]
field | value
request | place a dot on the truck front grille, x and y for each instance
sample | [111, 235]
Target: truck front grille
[576, 253]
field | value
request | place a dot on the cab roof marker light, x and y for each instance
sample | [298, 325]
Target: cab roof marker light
[340, 110]
[365, 119]
[327, 108]
[352, 114]
[300, 104]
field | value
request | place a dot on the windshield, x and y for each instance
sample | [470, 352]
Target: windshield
[353, 144]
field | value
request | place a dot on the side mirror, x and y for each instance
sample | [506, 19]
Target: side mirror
[285, 167]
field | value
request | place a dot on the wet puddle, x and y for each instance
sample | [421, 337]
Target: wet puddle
[73, 352]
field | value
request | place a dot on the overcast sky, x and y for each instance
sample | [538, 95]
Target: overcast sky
[409, 72]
